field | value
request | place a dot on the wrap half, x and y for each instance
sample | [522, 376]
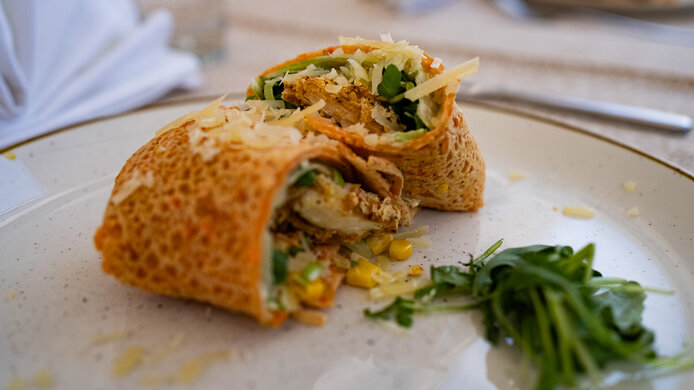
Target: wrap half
[389, 100]
[246, 215]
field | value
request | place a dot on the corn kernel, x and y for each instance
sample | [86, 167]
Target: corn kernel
[416, 270]
[379, 243]
[313, 290]
[442, 188]
[400, 250]
[362, 274]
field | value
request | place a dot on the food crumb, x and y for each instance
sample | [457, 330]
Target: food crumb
[633, 212]
[17, 383]
[416, 270]
[577, 212]
[514, 175]
[10, 295]
[629, 186]
[555, 208]
[104, 338]
[10, 155]
[127, 362]
[43, 379]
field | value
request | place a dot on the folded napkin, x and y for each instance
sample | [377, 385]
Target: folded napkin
[64, 62]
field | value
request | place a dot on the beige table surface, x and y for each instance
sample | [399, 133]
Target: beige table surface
[571, 55]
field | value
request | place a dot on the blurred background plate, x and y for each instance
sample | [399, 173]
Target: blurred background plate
[57, 300]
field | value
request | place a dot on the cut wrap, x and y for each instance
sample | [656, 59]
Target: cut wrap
[442, 164]
[195, 213]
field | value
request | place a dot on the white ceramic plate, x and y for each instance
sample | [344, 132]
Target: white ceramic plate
[56, 299]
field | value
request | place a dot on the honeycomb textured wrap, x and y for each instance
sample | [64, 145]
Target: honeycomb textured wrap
[196, 230]
[443, 169]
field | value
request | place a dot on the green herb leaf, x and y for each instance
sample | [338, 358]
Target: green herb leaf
[390, 85]
[310, 272]
[279, 266]
[307, 179]
[294, 250]
[338, 179]
[551, 303]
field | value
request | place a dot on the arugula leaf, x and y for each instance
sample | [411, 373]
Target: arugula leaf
[551, 303]
[622, 309]
[279, 266]
[307, 179]
[390, 85]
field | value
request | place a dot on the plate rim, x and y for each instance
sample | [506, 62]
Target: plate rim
[484, 104]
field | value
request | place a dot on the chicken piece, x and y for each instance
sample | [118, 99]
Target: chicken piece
[328, 211]
[352, 104]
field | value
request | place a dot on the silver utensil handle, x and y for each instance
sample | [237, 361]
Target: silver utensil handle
[638, 115]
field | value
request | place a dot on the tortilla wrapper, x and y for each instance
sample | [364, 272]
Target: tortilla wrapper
[444, 168]
[182, 225]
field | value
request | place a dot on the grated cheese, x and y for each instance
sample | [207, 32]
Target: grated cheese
[371, 139]
[177, 123]
[105, 338]
[378, 113]
[514, 175]
[10, 155]
[629, 186]
[421, 242]
[127, 362]
[333, 88]
[398, 288]
[412, 233]
[442, 79]
[211, 116]
[131, 185]
[633, 212]
[299, 114]
[43, 379]
[578, 212]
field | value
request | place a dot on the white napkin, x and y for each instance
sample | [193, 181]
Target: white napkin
[68, 61]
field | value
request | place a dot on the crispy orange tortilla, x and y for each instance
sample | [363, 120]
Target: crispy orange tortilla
[195, 229]
[443, 169]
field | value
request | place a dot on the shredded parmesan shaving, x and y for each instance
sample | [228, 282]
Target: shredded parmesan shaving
[299, 114]
[441, 80]
[333, 88]
[633, 212]
[378, 113]
[578, 212]
[211, 116]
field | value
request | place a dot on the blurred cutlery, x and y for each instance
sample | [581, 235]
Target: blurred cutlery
[528, 10]
[621, 112]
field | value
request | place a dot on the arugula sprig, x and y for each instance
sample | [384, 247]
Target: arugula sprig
[392, 88]
[550, 302]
